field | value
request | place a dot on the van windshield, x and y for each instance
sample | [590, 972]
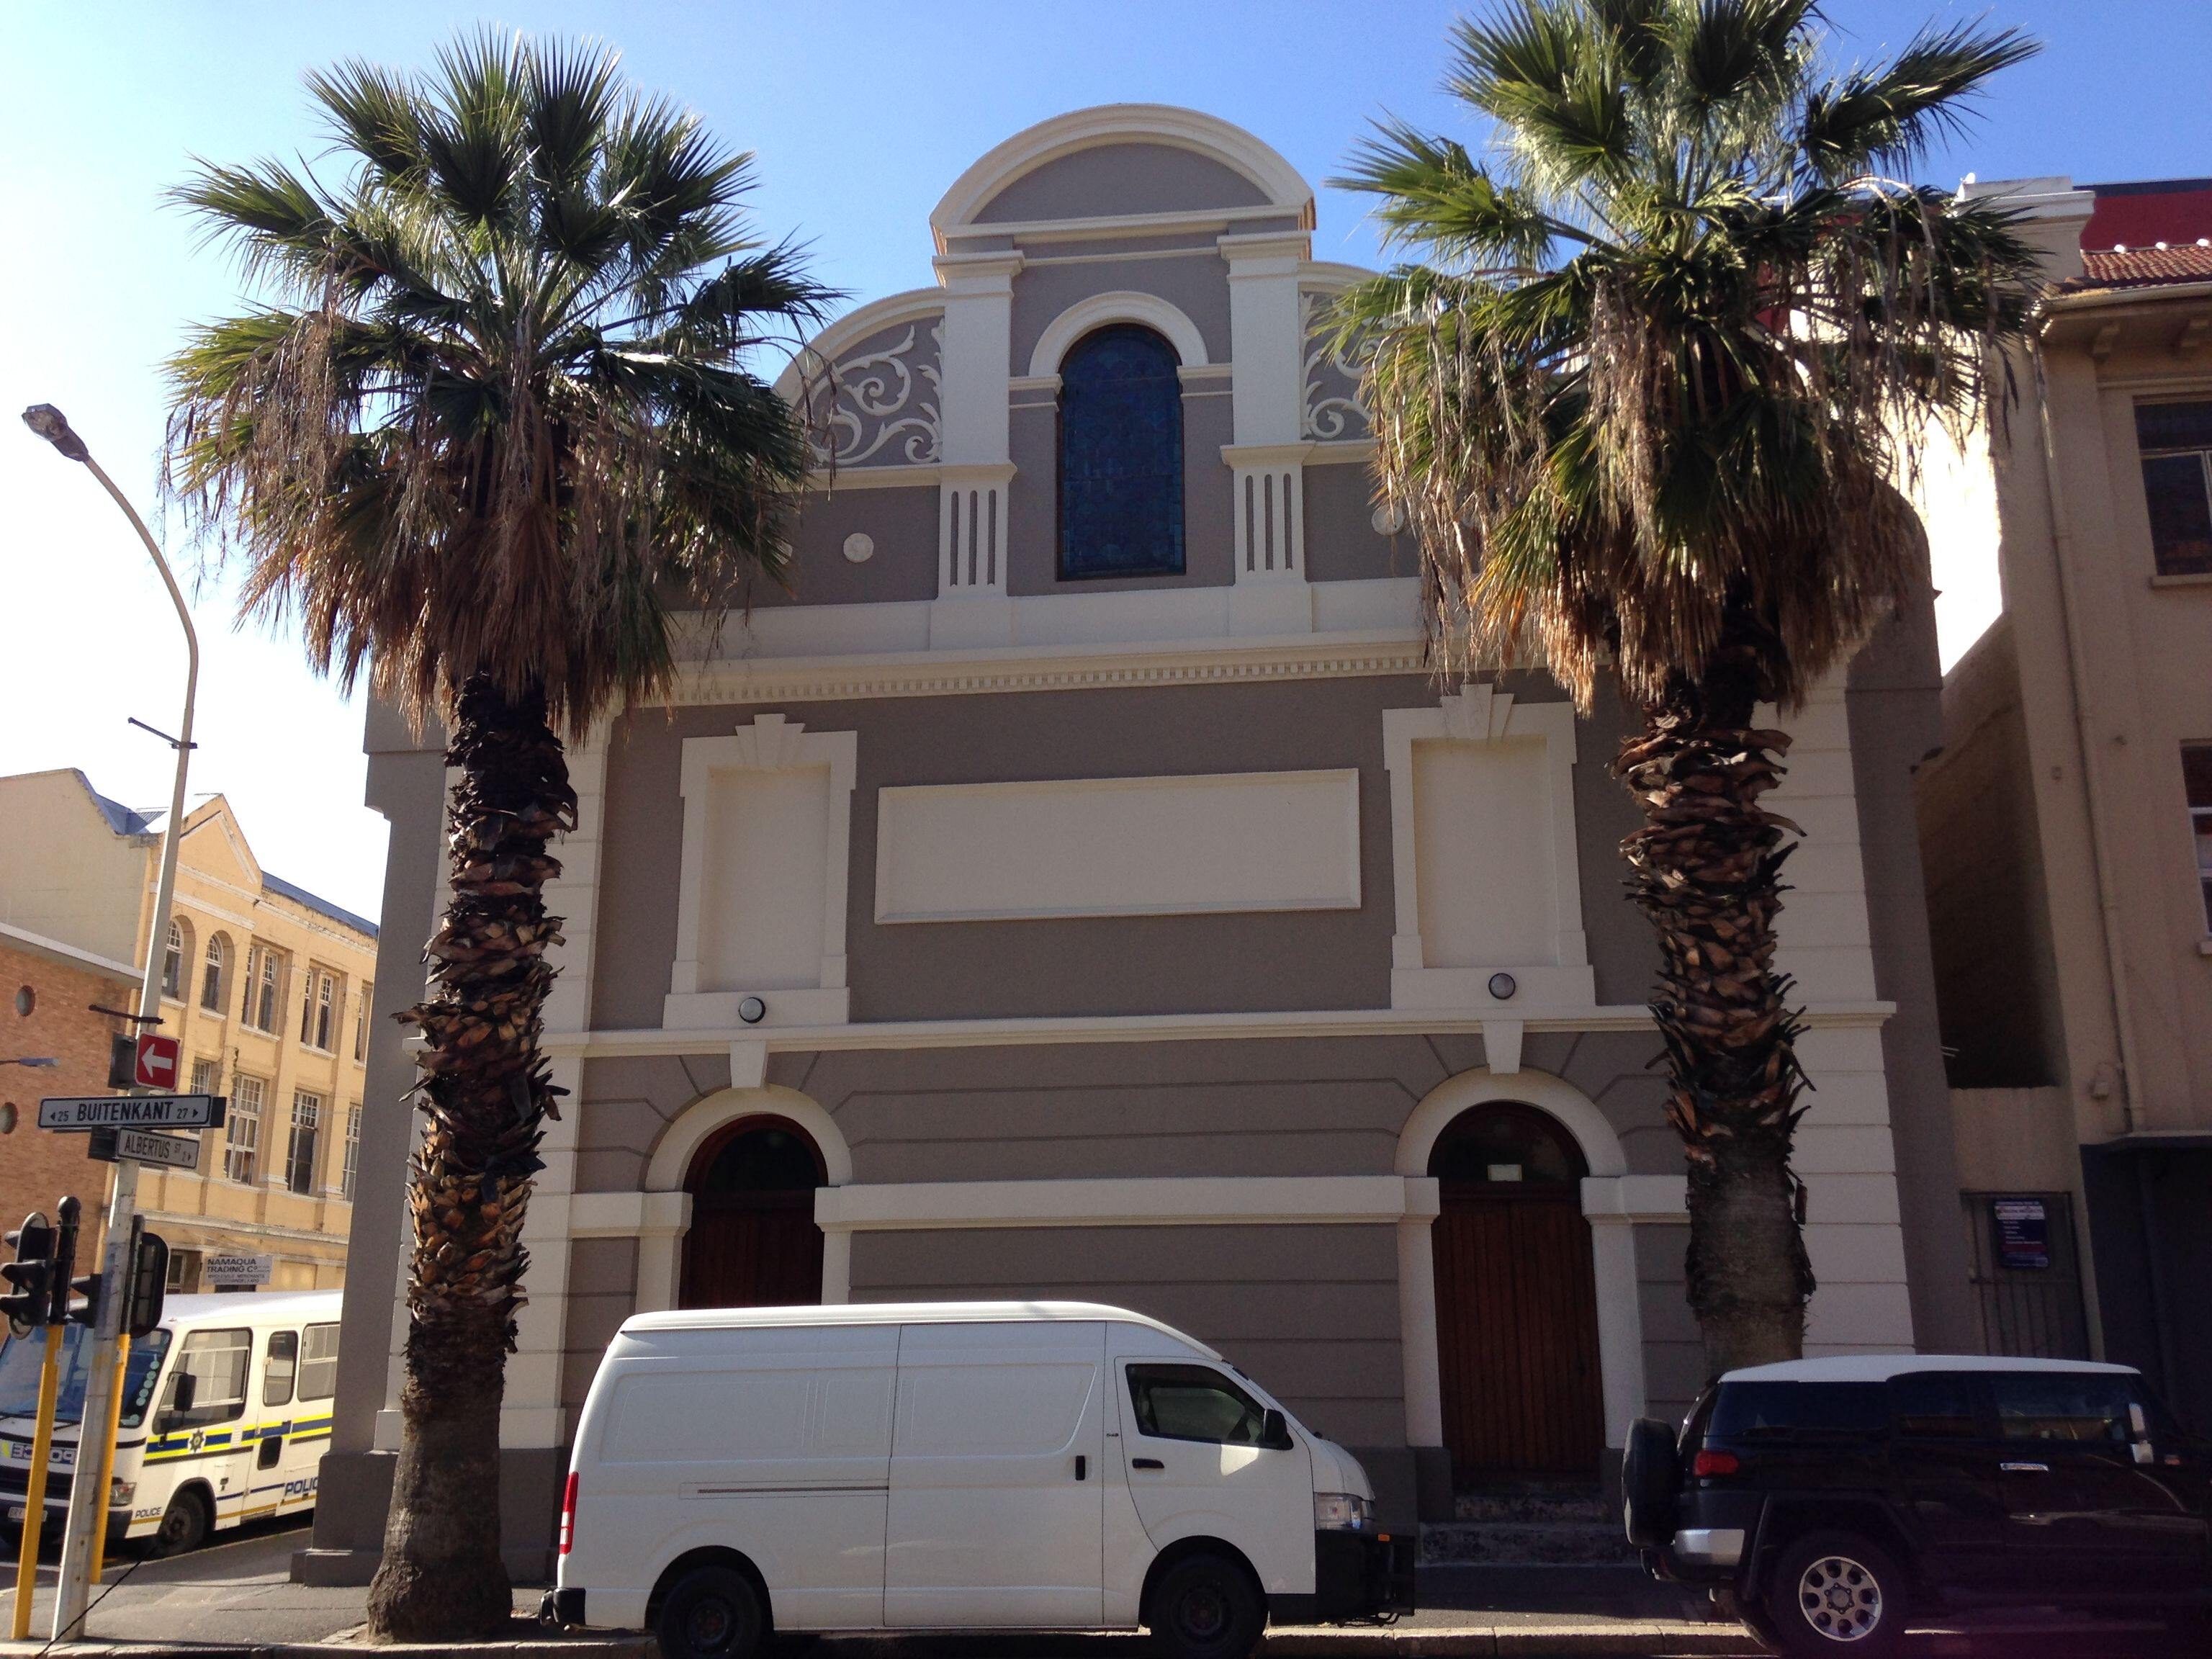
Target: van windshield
[22, 1357]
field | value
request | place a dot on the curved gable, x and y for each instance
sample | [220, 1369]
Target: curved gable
[1121, 159]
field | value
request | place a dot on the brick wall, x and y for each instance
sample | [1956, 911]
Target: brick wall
[38, 1167]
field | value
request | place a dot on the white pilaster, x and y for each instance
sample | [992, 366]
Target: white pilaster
[1267, 457]
[971, 608]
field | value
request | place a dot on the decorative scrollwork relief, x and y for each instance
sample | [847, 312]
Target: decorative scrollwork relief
[1331, 379]
[881, 405]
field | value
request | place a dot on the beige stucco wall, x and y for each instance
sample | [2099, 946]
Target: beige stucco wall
[69, 876]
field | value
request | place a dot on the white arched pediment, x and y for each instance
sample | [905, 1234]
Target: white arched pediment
[1577, 1112]
[1117, 306]
[1262, 167]
[672, 1153]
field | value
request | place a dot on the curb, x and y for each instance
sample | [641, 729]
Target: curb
[1559, 1641]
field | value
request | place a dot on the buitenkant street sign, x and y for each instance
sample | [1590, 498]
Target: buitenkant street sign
[171, 1152]
[79, 1112]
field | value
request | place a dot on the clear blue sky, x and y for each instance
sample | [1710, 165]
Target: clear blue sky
[861, 113]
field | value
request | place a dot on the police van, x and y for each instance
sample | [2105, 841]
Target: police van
[226, 1412]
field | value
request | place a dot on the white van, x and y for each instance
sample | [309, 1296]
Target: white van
[953, 1466]
[237, 1390]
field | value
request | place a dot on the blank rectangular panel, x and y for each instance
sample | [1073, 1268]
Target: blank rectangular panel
[1119, 846]
[760, 927]
[1483, 857]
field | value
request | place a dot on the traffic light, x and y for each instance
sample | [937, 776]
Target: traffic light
[149, 1280]
[30, 1276]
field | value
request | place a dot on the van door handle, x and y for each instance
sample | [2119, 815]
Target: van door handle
[1146, 1463]
[1082, 1467]
[2025, 1469]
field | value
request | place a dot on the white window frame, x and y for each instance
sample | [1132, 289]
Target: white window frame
[176, 955]
[307, 1115]
[215, 974]
[767, 743]
[1476, 714]
[361, 1025]
[249, 1095]
[350, 1168]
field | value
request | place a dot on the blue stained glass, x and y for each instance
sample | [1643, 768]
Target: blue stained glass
[1120, 456]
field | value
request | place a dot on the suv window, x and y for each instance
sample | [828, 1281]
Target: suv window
[1935, 1405]
[1750, 1411]
[1189, 1402]
[2062, 1405]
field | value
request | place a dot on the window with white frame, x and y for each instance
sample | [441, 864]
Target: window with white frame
[264, 984]
[2196, 774]
[318, 1030]
[241, 1154]
[361, 1025]
[2175, 443]
[215, 974]
[300, 1154]
[207, 1076]
[351, 1167]
[173, 960]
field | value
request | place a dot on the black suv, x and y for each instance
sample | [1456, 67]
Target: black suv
[1825, 1502]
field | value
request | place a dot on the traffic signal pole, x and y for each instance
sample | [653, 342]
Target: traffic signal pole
[34, 1492]
[88, 1508]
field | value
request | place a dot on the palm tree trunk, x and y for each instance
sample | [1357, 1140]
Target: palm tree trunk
[1704, 869]
[485, 1092]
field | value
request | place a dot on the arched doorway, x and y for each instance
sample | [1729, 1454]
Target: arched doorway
[1516, 1304]
[752, 1241]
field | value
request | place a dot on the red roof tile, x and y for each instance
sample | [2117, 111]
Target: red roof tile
[2144, 267]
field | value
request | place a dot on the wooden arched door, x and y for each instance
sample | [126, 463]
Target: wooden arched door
[753, 1243]
[1517, 1302]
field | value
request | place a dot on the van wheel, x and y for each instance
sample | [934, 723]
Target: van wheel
[711, 1612]
[184, 1525]
[1835, 1593]
[1205, 1608]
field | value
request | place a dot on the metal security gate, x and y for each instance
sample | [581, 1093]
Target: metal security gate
[2035, 1312]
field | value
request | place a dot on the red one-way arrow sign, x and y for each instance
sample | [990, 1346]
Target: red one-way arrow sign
[157, 1060]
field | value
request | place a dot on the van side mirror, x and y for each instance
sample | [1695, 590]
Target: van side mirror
[184, 1389]
[2139, 1434]
[1275, 1431]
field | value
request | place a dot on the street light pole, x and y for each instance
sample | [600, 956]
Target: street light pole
[88, 1507]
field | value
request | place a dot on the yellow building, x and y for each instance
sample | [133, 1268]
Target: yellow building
[268, 984]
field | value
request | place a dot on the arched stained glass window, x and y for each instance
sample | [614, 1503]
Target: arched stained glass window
[1120, 456]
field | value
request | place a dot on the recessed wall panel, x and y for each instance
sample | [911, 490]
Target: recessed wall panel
[1119, 846]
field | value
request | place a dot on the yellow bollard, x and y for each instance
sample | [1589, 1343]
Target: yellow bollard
[34, 1492]
[107, 1454]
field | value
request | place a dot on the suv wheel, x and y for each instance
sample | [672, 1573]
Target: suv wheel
[712, 1612]
[1836, 1593]
[1650, 1469]
[1206, 1607]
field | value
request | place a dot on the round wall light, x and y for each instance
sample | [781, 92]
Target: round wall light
[752, 1010]
[1503, 986]
[860, 547]
[1386, 519]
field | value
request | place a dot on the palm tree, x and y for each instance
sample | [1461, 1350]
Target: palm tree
[1648, 404]
[490, 427]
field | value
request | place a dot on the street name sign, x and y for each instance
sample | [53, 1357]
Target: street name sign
[77, 1113]
[171, 1152]
[238, 1269]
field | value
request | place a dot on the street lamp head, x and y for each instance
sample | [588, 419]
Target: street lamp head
[53, 425]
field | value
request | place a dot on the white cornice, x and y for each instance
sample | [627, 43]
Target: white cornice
[1154, 1201]
[873, 477]
[1062, 667]
[1077, 1029]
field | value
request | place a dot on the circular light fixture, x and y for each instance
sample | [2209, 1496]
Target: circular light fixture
[752, 1010]
[1386, 519]
[1503, 986]
[860, 547]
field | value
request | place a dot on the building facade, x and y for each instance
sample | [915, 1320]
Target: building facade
[1079, 886]
[2068, 823]
[50, 995]
[268, 986]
